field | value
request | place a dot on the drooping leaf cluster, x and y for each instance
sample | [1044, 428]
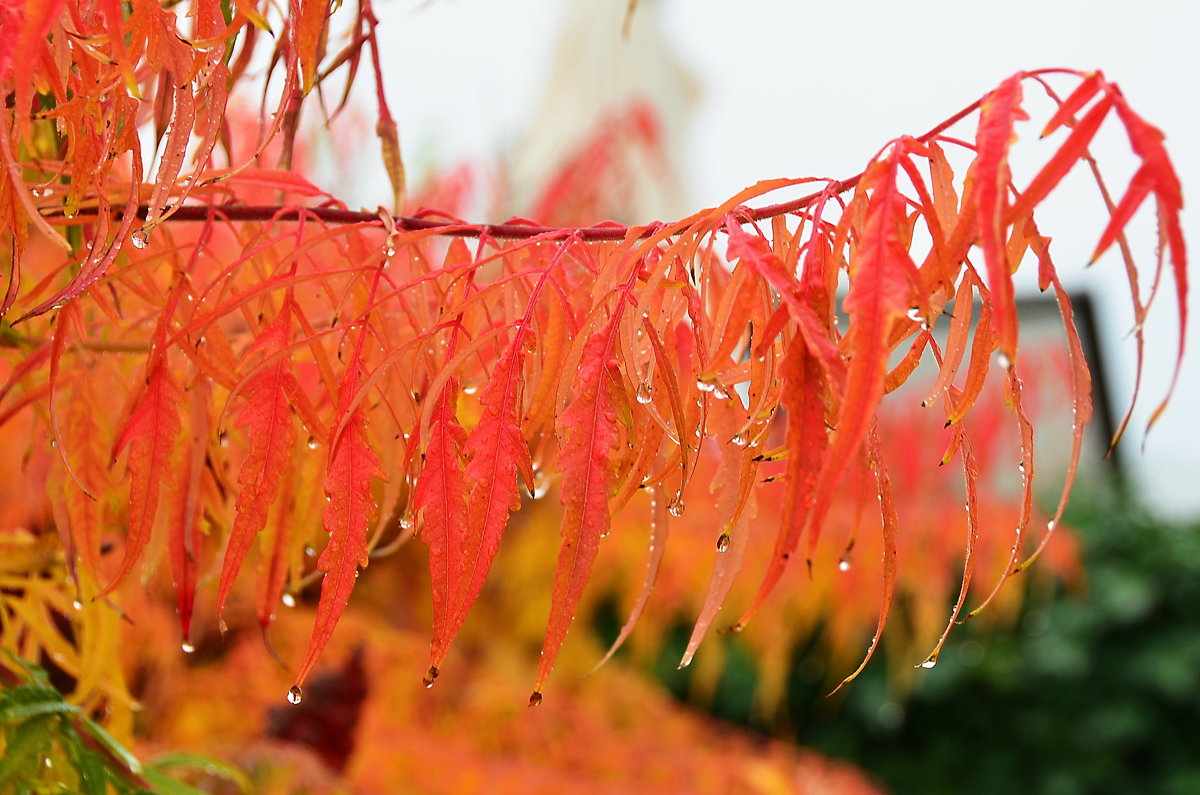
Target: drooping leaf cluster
[248, 355]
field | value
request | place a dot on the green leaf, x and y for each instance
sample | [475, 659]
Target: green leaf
[111, 744]
[21, 703]
[206, 764]
[25, 744]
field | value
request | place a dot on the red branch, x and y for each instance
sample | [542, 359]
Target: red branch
[510, 231]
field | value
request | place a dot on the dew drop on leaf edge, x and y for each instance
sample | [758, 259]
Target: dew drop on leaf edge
[187, 647]
[295, 695]
[723, 542]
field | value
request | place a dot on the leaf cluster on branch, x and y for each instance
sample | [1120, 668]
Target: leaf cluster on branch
[223, 382]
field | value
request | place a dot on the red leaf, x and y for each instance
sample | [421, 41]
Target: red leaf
[1147, 143]
[440, 497]
[351, 508]
[1001, 110]
[1070, 153]
[184, 541]
[150, 436]
[499, 452]
[807, 441]
[1082, 94]
[271, 434]
[882, 284]
[589, 429]
[891, 523]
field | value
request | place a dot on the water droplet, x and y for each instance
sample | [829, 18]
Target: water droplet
[430, 676]
[540, 485]
[288, 599]
[931, 662]
[1050, 525]
[312, 443]
[310, 552]
[48, 762]
[675, 508]
[1003, 360]
[223, 438]
[844, 564]
[140, 238]
[78, 605]
[535, 698]
[187, 647]
[1021, 467]
[644, 395]
[470, 389]
[70, 212]
[914, 314]
[295, 695]
[406, 522]
[723, 542]
[739, 439]
[389, 251]
[705, 386]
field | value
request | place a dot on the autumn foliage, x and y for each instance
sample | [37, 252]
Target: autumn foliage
[208, 358]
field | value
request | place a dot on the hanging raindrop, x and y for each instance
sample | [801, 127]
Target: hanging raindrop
[844, 564]
[140, 238]
[644, 395]
[931, 662]
[675, 508]
[723, 542]
[288, 599]
[187, 647]
[295, 695]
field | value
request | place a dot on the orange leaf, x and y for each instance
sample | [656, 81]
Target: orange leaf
[589, 430]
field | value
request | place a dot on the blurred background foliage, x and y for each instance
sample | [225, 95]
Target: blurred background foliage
[1097, 689]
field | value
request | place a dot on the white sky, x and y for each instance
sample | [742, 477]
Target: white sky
[793, 88]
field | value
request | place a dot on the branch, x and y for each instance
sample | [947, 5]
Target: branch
[607, 231]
